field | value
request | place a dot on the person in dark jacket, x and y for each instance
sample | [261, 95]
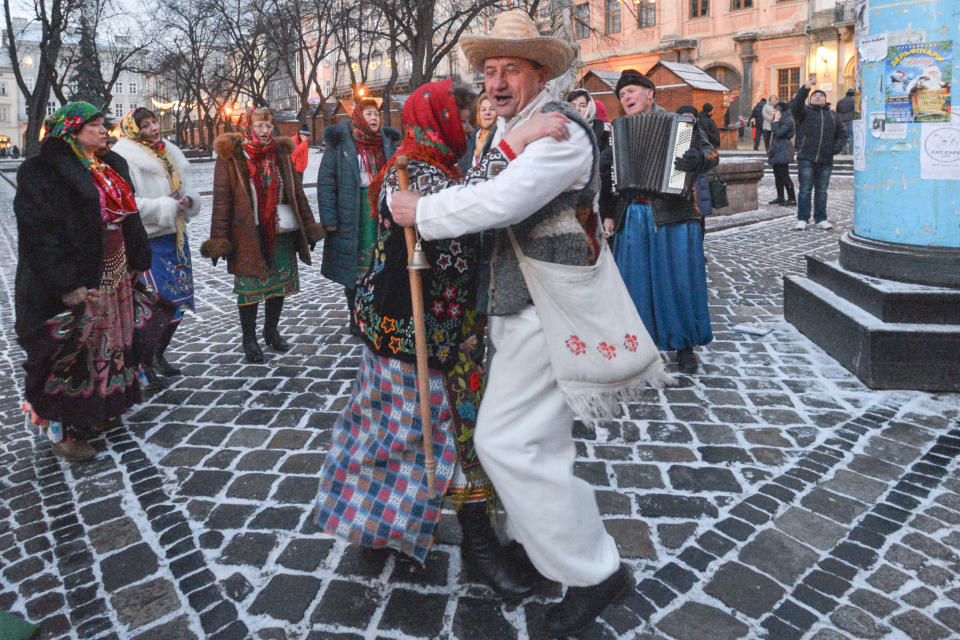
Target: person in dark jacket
[708, 126]
[780, 154]
[820, 135]
[587, 106]
[756, 121]
[486, 121]
[81, 251]
[845, 111]
[701, 182]
[355, 151]
[658, 242]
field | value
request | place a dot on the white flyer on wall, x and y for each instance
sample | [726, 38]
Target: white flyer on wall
[859, 145]
[940, 151]
[873, 48]
[861, 16]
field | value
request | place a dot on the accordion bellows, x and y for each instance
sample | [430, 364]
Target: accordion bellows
[645, 146]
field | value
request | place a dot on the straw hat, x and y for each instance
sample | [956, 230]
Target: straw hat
[514, 35]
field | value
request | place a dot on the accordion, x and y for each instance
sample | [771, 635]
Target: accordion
[645, 146]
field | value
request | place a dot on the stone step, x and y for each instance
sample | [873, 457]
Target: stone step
[883, 355]
[888, 300]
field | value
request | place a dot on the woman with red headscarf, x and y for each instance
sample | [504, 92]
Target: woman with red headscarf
[373, 488]
[356, 149]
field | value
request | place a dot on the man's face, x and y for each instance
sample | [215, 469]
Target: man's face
[512, 83]
[818, 99]
[636, 99]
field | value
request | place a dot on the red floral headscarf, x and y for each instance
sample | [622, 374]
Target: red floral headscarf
[369, 143]
[263, 170]
[434, 133]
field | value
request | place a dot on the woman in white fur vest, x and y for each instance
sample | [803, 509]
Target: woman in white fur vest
[166, 203]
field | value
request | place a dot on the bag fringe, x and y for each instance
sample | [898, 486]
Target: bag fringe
[592, 402]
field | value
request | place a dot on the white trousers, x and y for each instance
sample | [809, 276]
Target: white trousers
[524, 440]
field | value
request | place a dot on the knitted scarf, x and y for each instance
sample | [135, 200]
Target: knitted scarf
[263, 169]
[131, 130]
[369, 143]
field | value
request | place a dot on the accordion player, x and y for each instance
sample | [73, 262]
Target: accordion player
[645, 147]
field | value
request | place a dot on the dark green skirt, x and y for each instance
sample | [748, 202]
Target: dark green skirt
[282, 280]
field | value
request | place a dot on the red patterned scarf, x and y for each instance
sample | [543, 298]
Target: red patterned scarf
[434, 133]
[116, 196]
[369, 143]
[263, 169]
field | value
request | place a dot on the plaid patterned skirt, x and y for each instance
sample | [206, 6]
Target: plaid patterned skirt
[373, 488]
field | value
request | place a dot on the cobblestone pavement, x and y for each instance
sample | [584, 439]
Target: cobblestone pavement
[772, 495]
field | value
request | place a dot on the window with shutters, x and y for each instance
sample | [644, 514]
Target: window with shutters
[788, 83]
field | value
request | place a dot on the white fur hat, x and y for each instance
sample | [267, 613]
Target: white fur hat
[514, 35]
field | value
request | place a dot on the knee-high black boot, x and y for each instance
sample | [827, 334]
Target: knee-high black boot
[248, 324]
[485, 558]
[160, 362]
[271, 321]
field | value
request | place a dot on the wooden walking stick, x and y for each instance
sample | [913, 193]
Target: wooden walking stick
[417, 262]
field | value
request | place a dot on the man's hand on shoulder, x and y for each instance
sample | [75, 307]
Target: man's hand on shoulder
[403, 207]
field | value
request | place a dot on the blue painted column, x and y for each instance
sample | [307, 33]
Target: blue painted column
[907, 221]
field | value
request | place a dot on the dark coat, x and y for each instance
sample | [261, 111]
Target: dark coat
[234, 233]
[60, 232]
[710, 129]
[338, 199]
[820, 134]
[781, 144]
[757, 114]
[666, 210]
[845, 109]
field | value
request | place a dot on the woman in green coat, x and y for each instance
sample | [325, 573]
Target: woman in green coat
[356, 149]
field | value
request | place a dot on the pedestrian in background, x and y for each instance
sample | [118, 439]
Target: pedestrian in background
[708, 126]
[768, 112]
[701, 180]
[587, 106]
[780, 154]
[81, 250]
[756, 121]
[261, 224]
[820, 135]
[658, 243]
[356, 149]
[167, 202]
[486, 120]
[846, 108]
[301, 152]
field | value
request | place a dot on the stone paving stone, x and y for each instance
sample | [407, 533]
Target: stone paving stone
[832, 505]
[477, 619]
[414, 613]
[778, 556]
[743, 589]
[141, 604]
[286, 597]
[695, 620]
[128, 566]
[703, 479]
[858, 623]
[248, 548]
[114, 535]
[810, 528]
[919, 626]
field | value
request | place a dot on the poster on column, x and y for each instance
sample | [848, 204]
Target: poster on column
[859, 145]
[940, 152]
[917, 82]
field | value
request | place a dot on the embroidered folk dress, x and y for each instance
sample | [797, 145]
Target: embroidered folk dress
[373, 489]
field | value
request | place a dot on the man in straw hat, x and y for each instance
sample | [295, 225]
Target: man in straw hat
[523, 432]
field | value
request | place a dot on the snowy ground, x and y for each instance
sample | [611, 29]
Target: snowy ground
[771, 495]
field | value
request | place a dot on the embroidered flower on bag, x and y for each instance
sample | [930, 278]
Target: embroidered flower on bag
[454, 310]
[461, 265]
[396, 344]
[474, 382]
[607, 351]
[576, 345]
[455, 247]
[444, 261]
[630, 343]
[438, 308]
[450, 293]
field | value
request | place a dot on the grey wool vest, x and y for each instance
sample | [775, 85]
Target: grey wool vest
[566, 230]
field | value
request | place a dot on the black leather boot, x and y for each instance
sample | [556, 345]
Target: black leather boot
[581, 605]
[687, 360]
[248, 324]
[271, 321]
[483, 557]
[160, 362]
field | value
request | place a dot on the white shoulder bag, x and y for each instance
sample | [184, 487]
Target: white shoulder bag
[600, 351]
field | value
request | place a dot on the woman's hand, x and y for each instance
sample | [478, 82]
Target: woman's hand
[183, 204]
[553, 124]
[330, 228]
[608, 227]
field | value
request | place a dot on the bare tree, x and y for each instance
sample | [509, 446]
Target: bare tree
[51, 18]
[245, 31]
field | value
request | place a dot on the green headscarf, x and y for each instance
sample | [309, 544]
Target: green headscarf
[66, 122]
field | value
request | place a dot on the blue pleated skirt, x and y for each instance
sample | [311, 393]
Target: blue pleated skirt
[666, 273]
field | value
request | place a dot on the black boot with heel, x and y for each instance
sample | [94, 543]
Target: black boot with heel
[160, 362]
[271, 332]
[248, 324]
[484, 559]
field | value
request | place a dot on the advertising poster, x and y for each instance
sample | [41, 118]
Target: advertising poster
[917, 82]
[940, 152]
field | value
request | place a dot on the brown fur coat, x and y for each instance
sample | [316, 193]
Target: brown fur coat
[233, 227]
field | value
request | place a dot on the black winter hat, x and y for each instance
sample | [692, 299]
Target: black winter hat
[707, 107]
[632, 76]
